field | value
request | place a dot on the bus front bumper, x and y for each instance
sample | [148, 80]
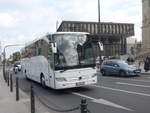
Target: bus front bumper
[64, 85]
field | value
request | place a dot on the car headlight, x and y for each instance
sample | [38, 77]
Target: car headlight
[61, 79]
[130, 71]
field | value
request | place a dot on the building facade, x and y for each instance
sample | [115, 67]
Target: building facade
[146, 24]
[112, 35]
[131, 43]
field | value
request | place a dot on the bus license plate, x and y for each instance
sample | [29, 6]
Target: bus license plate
[80, 83]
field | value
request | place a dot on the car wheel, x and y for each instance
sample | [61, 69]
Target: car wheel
[122, 73]
[103, 72]
[43, 81]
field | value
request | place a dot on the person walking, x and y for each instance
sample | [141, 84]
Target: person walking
[146, 65]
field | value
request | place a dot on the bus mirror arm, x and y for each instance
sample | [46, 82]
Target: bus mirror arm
[101, 46]
[54, 47]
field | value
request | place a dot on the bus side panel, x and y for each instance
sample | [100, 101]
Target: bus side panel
[47, 71]
[34, 69]
[39, 67]
[52, 78]
[25, 66]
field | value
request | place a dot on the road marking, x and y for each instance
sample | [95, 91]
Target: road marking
[127, 79]
[122, 83]
[125, 91]
[102, 101]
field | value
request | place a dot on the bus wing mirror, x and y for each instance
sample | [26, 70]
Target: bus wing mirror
[101, 46]
[54, 47]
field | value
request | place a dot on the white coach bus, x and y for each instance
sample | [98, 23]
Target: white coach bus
[61, 60]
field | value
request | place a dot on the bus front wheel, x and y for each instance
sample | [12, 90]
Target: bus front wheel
[25, 72]
[43, 80]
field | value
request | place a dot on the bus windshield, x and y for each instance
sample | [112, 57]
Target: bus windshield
[73, 51]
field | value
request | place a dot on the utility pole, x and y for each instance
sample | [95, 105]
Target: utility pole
[99, 14]
[99, 28]
[57, 25]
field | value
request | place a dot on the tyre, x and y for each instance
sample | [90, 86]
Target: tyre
[25, 73]
[122, 73]
[103, 72]
[16, 71]
[43, 81]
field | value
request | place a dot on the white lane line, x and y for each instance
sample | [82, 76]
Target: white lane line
[102, 101]
[125, 91]
[122, 83]
[127, 79]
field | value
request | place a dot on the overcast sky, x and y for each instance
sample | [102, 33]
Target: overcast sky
[22, 21]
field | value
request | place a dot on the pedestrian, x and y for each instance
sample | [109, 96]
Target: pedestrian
[129, 60]
[140, 63]
[146, 65]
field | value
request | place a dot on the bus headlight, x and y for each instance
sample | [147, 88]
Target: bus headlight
[61, 79]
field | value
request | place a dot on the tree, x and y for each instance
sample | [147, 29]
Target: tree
[16, 56]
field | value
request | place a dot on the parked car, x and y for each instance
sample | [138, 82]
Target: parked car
[17, 66]
[119, 67]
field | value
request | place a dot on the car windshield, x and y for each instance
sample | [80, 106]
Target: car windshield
[73, 51]
[122, 63]
[17, 63]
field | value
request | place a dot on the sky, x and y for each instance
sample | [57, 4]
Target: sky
[21, 21]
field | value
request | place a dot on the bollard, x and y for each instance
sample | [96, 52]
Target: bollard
[83, 106]
[17, 89]
[32, 100]
[8, 80]
[6, 77]
[11, 83]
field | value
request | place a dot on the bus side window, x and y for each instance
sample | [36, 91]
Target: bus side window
[50, 56]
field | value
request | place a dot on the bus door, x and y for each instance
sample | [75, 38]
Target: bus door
[51, 64]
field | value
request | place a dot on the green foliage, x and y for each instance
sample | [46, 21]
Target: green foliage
[16, 56]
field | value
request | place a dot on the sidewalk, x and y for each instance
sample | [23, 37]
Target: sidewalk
[8, 103]
[142, 69]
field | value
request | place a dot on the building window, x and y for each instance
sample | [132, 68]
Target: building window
[39, 51]
[85, 28]
[96, 28]
[92, 28]
[89, 28]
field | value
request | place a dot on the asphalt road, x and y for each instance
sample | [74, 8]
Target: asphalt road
[110, 95]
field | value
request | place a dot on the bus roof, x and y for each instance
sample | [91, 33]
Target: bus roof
[44, 37]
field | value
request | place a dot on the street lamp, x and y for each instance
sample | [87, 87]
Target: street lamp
[98, 29]
[99, 19]
[4, 58]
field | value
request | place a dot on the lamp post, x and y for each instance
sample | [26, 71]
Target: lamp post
[4, 58]
[99, 19]
[99, 28]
